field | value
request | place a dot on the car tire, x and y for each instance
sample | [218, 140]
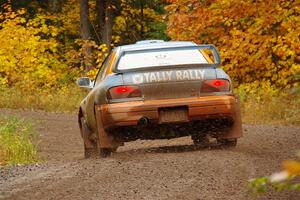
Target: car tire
[91, 147]
[105, 152]
[227, 142]
[200, 140]
[96, 152]
[90, 152]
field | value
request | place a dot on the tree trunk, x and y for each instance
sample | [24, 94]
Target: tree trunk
[108, 24]
[104, 21]
[87, 60]
[100, 10]
[142, 20]
[55, 5]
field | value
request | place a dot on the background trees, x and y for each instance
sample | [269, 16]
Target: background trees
[258, 40]
[59, 39]
[260, 45]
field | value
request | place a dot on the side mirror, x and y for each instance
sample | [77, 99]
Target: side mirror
[85, 82]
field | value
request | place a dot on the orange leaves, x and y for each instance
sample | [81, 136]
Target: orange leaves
[292, 167]
[257, 41]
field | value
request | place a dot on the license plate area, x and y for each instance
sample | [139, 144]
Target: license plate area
[172, 115]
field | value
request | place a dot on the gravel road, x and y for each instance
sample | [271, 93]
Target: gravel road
[158, 169]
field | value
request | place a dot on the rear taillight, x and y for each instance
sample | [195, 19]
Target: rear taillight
[122, 92]
[218, 85]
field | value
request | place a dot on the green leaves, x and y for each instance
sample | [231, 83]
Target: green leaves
[259, 185]
[263, 185]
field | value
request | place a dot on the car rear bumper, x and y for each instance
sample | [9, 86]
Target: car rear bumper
[129, 113]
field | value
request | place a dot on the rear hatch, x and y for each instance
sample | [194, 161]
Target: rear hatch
[165, 73]
[170, 83]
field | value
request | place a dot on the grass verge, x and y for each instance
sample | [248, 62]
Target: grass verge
[276, 110]
[64, 99]
[261, 104]
[18, 142]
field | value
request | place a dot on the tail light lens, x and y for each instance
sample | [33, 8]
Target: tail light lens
[121, 92]
[218, 85]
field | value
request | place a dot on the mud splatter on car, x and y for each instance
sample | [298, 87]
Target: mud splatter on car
[155, 90]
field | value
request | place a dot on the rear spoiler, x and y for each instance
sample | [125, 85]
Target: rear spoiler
[211, 47]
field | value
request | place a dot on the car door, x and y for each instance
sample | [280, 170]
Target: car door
[90, 99]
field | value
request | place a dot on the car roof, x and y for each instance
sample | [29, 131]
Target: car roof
[153, 44]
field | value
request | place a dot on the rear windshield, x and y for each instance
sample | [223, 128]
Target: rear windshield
[155, 58]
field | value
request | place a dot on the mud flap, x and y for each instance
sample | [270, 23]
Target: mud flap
[105, 140]
[236, 129]
[85, 133]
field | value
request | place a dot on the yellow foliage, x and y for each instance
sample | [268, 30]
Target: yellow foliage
[292, 167]
[30, 55]
[24, 56]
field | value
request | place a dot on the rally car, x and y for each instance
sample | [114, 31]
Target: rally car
[158, 90]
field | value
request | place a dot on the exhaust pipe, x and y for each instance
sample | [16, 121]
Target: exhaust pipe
[144, 121]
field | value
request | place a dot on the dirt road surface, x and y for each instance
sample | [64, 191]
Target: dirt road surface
[160, 169]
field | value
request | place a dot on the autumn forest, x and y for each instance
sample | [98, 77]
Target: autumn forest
[46, 45]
